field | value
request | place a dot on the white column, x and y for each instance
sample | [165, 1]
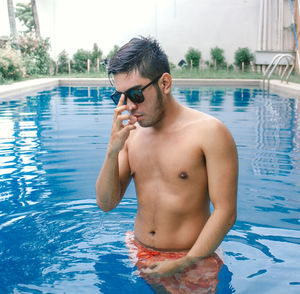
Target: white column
[269, 43]
[280, 24]
[260, 26]
[265, 26]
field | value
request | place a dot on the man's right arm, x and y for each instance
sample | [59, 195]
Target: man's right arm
[115, 176]
[113, 180]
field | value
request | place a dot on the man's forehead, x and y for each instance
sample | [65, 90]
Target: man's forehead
[126, 81]
[132, 75]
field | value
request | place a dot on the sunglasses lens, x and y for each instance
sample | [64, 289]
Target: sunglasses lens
[136, 96]
[116, 98]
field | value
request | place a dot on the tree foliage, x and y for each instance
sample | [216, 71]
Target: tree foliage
[193, 55]
[63, 58]
[80, 58]
[96, 53]
[24, 14]
[217, 56]
[35, 54]
[243, 55]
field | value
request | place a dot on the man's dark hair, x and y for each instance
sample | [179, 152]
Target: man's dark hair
[142, 54]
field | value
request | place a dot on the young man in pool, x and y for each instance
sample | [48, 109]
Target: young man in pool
[180, 160]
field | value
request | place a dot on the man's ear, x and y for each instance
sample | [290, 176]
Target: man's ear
[165, 83]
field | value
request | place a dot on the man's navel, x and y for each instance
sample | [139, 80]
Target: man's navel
[152, 233]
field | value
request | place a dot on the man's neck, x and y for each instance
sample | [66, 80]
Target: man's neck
[172, 109]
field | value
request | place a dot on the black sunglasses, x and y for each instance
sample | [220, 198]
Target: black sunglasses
[135, 95]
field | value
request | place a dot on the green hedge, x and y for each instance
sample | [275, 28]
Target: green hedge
[12, 66]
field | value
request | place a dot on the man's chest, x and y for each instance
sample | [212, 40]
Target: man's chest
[172, 158]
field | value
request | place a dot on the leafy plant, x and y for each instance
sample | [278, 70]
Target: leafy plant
[35, 53]
[96, 53]
[193, 55]
[63, 58]
[243, 55]
[11, 64]
[80, 58]
[217, 56]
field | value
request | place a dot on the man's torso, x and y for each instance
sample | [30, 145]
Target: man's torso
[169, 170]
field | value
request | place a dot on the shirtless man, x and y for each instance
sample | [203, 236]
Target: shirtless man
[180, 160]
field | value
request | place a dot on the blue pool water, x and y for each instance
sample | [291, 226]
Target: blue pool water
[53, 237]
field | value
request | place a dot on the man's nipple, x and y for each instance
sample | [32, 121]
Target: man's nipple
[183, 175]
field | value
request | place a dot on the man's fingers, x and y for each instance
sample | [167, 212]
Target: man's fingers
[128, 127]
[119, 110]
[122, 117]
[121, 101]
[147, 271]
[150, 269]
[153, 265]
[132, 120]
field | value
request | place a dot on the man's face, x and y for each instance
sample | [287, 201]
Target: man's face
[149, 112]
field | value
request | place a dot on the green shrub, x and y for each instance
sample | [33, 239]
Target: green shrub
[80, 58]
[216, 54]
[96, 53]
[63, 58]
[35, 53]
[52, 66]
[11, 65]
[30, 65]
[243, 55]
[230, 67]
[193, 55]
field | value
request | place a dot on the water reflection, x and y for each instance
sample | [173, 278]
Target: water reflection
[48, 139]
[217, 99]
[266, 249]
[51, 148]
[48, 246]
[275, 137]
[241, 98]
[275, 125]
[20, 140]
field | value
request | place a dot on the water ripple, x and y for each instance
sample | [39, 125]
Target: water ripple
[53, 237]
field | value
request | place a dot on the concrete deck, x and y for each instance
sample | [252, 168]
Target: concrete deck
[20, 89]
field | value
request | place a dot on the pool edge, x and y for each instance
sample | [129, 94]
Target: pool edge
[30, 86]
[20, 89]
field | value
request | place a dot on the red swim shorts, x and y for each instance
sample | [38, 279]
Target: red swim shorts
[202, 277]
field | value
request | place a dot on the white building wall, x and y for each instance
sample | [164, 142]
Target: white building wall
[177, 24]
[206, 24]
[4, 22]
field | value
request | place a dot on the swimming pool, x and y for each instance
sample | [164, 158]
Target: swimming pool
[53, 237]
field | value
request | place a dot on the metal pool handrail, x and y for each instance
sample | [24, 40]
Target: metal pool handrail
[273, 65]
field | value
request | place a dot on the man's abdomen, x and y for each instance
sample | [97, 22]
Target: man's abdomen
[166, 230]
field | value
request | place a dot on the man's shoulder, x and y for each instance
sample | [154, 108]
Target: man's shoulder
[207, 129]
[202, 121]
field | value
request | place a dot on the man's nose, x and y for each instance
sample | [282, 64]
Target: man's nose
[131, 105]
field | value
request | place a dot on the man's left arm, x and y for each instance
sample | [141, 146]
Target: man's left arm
[222, 172]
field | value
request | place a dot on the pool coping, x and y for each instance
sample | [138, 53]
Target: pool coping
[19, 89]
